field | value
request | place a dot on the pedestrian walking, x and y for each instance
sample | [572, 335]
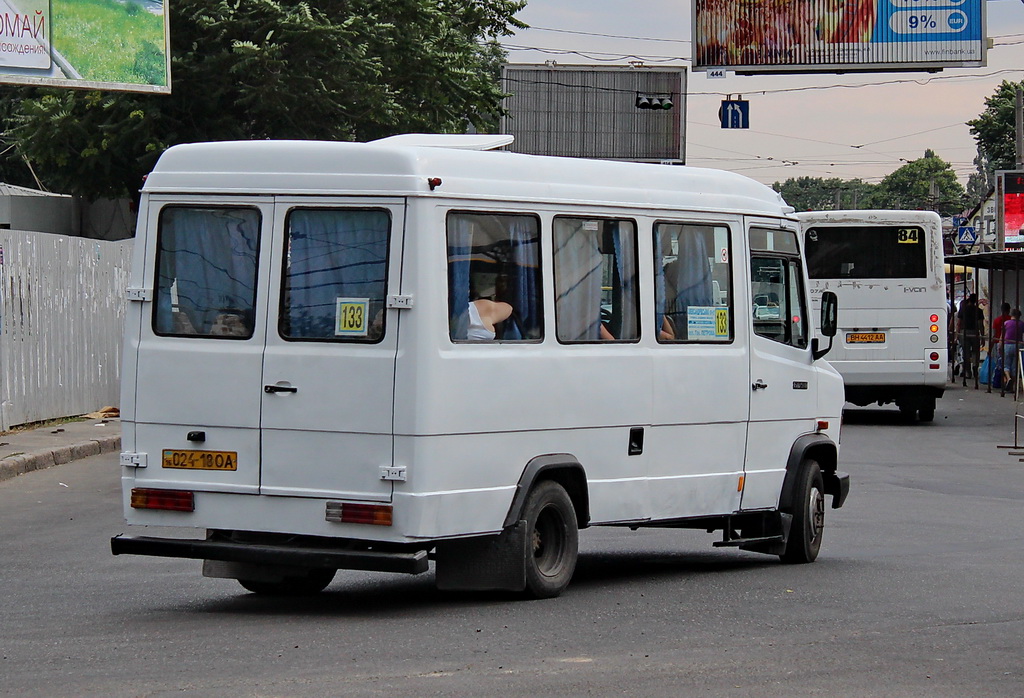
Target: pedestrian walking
[970, 320]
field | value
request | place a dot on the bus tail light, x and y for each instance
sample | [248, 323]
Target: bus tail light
[348, 512]
[167, 500]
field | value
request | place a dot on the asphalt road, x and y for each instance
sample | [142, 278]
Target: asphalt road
[917, 592]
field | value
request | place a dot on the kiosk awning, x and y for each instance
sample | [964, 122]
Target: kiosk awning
[1006, 260]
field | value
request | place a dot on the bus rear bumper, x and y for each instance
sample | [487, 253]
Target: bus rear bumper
[915, 396]
[298, 556]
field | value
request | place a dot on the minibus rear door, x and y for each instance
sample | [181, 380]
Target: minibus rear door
[201, 342]
[329, 365]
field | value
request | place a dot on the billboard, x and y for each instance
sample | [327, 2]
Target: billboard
[802, 36]
[104, 44]
[634, 113]
[1010, 211]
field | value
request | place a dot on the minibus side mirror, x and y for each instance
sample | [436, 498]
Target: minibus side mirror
[829, 323]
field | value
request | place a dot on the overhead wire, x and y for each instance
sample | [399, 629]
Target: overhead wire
[605, 56]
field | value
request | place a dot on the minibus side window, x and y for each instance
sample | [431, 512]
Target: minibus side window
[206, 272]
[693, 283]
[494, 277]
[776, 286]
[595, 280]
[335, 275]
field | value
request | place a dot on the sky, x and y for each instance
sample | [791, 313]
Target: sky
[865, 130]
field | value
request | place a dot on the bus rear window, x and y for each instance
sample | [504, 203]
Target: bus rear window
[206, 272]
[866, 252]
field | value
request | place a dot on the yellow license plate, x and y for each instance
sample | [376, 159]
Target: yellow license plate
[200, 460]
[865, 337]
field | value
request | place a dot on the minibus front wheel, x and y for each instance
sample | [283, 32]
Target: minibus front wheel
[808, 511]
[552, 540]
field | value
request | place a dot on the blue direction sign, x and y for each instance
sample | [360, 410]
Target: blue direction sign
[735, 113]
[966, 235]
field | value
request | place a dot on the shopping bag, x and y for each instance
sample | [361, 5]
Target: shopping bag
[985, 370]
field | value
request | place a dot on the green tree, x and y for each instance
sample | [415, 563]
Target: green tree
[995, 128]
[244, 69]
[980, 182]
[927, 183]
[820, 194]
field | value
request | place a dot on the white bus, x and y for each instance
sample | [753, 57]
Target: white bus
[887, 268]
[374, 356]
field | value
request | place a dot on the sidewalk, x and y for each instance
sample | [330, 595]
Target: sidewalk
[35, 449]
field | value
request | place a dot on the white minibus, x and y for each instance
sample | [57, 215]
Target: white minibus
[422, 353]
[888, 270]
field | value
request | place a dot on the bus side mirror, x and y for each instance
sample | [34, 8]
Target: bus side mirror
[829, 322]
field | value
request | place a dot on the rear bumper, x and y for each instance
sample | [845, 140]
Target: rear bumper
[413, 562]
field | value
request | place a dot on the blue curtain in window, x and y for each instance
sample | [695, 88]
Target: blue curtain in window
[659, 282]
[688, 279]
[332, 254]
[208, 256]
[524, 281]
[460, 251]
[625, 262]
[577, 261]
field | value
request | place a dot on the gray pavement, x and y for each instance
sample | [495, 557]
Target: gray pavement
[23, 451]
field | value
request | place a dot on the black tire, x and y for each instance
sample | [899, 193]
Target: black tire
[313, 583]
[808, 512]
[552, 540]
[908, 412]
[926, 414]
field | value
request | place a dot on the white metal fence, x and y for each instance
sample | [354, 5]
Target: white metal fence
[62, 304]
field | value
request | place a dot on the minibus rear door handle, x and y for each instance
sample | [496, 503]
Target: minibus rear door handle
[280, 389]
[759, 385]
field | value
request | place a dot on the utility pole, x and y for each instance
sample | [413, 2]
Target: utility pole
[1018, 113]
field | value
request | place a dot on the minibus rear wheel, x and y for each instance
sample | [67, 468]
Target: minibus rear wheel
[313, 583]
[808, 516]
[552, 540]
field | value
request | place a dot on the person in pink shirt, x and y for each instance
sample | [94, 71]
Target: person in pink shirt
[1013, 331]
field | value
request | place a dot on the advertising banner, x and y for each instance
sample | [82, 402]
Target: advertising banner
[800, 36]
[1010, 190]
[103, 44]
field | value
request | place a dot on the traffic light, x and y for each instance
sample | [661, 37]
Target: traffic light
[654, 101]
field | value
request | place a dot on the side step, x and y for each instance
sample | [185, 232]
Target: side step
[740, 542]
[762, 532]
[262, 553]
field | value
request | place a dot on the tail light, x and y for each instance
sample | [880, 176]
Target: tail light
[934, 328]
[167, 500]
[349, 512]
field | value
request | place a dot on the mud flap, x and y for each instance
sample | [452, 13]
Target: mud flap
[487, 563]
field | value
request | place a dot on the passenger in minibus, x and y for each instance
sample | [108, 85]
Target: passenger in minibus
[484, 314]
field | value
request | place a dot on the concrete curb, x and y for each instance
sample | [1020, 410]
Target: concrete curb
[22, 463]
